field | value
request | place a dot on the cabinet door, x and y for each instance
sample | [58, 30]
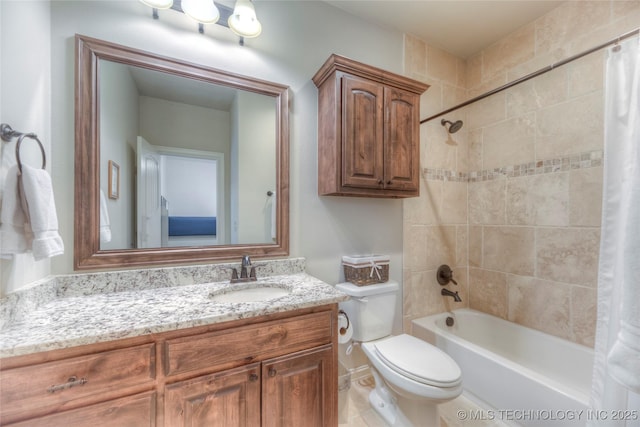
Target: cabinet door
[402, 140]
[229, 398]
[362, 133]
[300, 390]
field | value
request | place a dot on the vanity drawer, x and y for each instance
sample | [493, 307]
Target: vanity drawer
[245, 344]
[69, 383]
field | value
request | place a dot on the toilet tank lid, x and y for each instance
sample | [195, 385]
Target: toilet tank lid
[368, 290]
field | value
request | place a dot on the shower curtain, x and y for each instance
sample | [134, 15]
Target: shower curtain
[616, 378]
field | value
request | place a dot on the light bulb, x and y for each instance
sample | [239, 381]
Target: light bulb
[203, 11]
[158, 4]
[243, 20]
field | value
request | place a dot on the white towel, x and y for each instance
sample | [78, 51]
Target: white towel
[105, 225]
[14, 238]
[41, 212]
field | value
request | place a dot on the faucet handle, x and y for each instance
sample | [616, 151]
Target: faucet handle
[246, 261]
[445, 275]
[234, 274]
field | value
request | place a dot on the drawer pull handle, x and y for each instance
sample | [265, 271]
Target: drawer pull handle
[272, 372]
[71, 382]
[253, 377]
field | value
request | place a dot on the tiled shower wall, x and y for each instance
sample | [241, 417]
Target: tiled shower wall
[513, 200]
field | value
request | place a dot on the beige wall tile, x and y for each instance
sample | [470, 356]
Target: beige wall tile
[462, 246]
[441, 246]
[441, 152]
[509, 249]
[475, 246]
[571, 127]
[452, 96]
[474, 70]
[586, 74]
[419, 298]
[538, 200]
[415, 56]
[489, 110]
[453, 209]
[487, 202]
[541, 92]
[584, 314]
[540, 304]
[442, 65]
[423, 210]
[415, 247]
[509, 51]
[568, 255]
[475, 150]
[585, 195]
[564, 23]
[622, 9]
[510, 142]
[488, 292]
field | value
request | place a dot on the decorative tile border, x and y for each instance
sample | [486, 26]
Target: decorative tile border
[584, 160]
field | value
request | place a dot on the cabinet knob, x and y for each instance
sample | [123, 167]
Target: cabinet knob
[380, 182]
[272, 372]
[253, 377]
[389, 182]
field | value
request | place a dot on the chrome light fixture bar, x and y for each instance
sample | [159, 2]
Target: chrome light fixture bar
[241, 20]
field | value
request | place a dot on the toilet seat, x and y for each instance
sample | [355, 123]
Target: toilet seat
[418, 360]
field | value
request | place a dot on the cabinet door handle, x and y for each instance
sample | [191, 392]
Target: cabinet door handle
[389, 182]
[71, 382]
[272, 372]
[380, 182]
[253, 377]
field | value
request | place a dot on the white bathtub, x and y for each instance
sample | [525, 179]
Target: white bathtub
[524, 376]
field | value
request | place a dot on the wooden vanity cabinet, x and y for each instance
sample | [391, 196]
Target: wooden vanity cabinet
[368, 131]
[273, 370]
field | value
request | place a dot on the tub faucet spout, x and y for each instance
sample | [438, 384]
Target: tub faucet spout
[454, 295]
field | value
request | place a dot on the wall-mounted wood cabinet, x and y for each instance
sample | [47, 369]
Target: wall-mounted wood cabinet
[268, 371]
[368, 131]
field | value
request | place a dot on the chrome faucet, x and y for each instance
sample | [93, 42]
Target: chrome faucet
[454, 295]
[247, 271]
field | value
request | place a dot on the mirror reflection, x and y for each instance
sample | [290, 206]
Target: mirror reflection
[176, 162]
[197, 161]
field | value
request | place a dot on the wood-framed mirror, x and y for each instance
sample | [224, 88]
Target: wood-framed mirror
[202, 155]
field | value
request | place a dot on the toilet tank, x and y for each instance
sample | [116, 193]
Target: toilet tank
[371, 309]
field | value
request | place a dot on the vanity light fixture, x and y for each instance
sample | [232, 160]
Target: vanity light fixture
[241, 19]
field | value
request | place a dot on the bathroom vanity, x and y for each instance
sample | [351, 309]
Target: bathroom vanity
[174, 356]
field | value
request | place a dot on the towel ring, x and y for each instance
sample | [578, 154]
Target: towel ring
[34, 137]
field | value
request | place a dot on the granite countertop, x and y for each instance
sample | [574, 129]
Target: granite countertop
[86, 319]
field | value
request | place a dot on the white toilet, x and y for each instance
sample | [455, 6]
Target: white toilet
[412, 376]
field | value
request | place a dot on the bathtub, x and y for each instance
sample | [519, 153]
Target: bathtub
[522, 376]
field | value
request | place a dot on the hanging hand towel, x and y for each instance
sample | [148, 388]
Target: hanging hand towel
[41, 212]
[14, 237]
[105, 225]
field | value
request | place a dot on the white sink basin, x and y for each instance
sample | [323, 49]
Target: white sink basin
[249, 293]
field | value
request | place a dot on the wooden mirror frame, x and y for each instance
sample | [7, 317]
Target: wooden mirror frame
[87, 252]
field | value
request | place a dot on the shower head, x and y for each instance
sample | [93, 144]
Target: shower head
[453, 126]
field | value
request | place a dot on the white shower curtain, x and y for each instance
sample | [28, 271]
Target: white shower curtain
[616, 378]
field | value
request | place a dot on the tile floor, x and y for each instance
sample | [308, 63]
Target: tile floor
[354, 409]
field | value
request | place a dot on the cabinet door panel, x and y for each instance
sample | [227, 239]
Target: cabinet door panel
[402, 140]
[363, 127]
[228, 398]
[300, 390]
[132, 411]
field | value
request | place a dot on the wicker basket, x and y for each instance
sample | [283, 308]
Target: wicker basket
[366, 270]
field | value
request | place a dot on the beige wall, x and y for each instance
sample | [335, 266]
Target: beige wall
[530, 163]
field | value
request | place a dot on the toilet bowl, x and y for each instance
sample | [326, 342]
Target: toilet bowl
[412, 376]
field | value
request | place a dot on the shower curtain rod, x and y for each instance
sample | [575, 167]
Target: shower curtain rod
[534, 74]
